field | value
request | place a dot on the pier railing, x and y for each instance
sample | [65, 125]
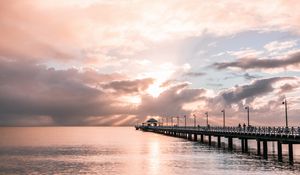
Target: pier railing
[270, 131]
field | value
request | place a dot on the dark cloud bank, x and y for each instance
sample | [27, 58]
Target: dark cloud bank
[255, 63]
[257, 88]
[31, 94]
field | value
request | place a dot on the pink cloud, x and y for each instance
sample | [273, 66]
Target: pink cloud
[62, 30]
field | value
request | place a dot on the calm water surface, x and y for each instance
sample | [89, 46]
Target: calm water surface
[122, 150]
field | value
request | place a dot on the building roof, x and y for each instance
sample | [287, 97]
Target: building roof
[152, 120]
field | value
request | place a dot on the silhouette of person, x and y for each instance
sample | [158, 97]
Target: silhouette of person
[244, 126]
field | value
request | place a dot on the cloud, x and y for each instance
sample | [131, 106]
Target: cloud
[67, 97]
[170, 102]
[246, 76]
[264, 96]
[255, 63]
[215, 84]
[129, 86]
[257, 88]
[245, 53]
[97, 30]
[32, 94]
[278, 46]
[194, 74]
[287, 88]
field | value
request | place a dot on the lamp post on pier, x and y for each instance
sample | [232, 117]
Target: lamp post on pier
[194, 120]
[206, 113]
[184, 121]
[248, 114]
[286, 115]
[223, 111]
[177, 120]
[167, 121]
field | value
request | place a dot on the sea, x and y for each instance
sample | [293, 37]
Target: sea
[126, 151]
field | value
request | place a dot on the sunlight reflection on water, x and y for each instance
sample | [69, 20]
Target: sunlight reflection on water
[108, 150]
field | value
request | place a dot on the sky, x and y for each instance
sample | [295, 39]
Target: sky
[118, 63]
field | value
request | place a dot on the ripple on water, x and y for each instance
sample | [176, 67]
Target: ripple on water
[126, 151]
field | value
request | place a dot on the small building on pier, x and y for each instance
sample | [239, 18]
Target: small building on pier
[151, 122]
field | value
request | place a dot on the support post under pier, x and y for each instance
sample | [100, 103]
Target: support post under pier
[291, 158]
[243, 145]
[230, 146]
[201, 138]
[258, 147]
[189, 136]
[246, 145]
[279, 151]
[195, 137]
[265, 148]
[219, 141]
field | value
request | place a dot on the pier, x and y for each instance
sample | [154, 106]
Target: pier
[262, 135]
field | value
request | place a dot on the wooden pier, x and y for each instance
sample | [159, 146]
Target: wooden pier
[281, 135]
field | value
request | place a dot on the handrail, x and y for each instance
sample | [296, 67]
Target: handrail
[264, 130]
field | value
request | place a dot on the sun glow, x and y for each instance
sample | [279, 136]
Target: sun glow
[155, 90]
[160, 77]
[132, 99]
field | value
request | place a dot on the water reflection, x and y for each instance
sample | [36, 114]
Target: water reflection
[154, 157]
[120, 151]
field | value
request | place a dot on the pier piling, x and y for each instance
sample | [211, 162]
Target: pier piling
[202, 138]
[219, 141]
[246, 145]
[209, 140]
[279, 151]
[230, 146]
[195, 137]
[265, 148]
[258, 147]
[243, 145]
[291, 158]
